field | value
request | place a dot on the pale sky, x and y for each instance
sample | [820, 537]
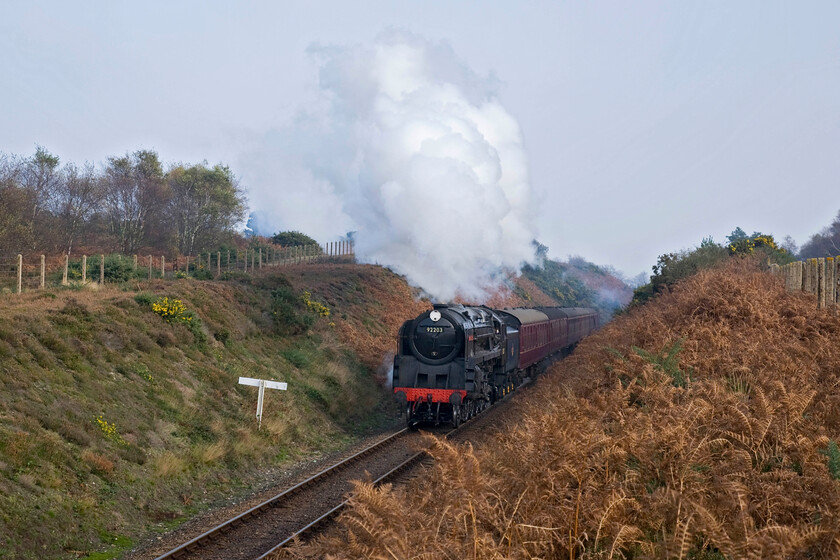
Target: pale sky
[647, 125]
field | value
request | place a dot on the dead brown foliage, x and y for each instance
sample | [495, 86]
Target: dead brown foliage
[694, 427]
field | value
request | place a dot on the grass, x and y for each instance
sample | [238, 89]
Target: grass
[117, 422]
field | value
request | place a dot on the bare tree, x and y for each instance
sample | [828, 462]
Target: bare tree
[826, 243]
[77, 198]
[39, 176]
[134, 192]
[15, 203]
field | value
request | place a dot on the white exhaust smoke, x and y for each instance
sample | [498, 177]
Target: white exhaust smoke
[426, 165]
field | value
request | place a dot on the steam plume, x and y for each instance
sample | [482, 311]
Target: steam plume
[420, 158]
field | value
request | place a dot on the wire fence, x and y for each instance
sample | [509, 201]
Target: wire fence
[20, 274]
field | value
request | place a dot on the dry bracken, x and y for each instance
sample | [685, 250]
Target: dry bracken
[698, 426]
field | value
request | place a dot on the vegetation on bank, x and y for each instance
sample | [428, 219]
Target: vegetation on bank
[120, 411]
[574, 283]
[670, 268]
[825, 243]
[701, 425]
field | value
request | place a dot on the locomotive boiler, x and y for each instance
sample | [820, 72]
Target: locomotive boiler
[455, 360]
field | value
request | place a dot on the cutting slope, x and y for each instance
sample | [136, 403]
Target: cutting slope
[115, 418]
[702, 425]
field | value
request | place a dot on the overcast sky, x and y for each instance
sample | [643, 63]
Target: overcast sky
[647, 125]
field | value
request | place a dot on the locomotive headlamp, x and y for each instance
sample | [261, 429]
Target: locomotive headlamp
[435, 315]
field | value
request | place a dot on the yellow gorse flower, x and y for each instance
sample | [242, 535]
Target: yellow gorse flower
[320, 309]
[173, 310]
[110, 430]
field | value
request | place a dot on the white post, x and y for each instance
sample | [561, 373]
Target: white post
[262, 384]
[260, 397]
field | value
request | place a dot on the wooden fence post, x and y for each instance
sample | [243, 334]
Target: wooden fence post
[228, 261]
[820, 283]
[135, 263]
[84, 269]
[43, 271]
[836, 266]
[807, 281]
[66, 266]
[218, 263]
[150, 267]
[163, 266]
[830, 285]
[101, 270]
[259, 261]
[20, 274]
[799, 276]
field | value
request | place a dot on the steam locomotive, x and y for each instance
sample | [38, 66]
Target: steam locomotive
[453, 361]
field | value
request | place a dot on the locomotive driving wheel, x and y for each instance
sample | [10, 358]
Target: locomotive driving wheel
[456, 416]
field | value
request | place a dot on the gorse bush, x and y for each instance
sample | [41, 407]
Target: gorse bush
[110, 430]
[288, 312]
[760, 243]
[293, 314]
[315, 307]
[176, 312]
[173, 310]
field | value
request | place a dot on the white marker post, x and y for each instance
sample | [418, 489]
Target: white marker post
[262, 384]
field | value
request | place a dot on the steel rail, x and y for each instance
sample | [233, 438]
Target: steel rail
[200, 540]
[272, 502]
[417, 457]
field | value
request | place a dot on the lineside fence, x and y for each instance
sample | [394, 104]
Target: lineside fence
[19, 274]
[813, 276]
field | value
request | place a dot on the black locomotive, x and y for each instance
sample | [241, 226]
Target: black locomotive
[453, 361]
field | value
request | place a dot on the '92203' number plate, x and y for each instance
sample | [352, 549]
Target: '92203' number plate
[434, 329]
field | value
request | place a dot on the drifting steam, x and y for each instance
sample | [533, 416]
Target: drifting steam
[410, 149]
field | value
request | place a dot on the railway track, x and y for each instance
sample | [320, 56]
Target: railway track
[260, 532]
[302, 508]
